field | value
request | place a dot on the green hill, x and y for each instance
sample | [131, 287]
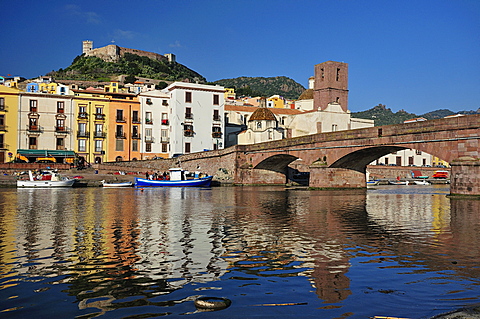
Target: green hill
[89, 68]
[261, 86]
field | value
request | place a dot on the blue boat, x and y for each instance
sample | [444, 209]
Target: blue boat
[178, 178]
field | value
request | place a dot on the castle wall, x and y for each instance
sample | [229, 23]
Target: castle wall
[112, 53]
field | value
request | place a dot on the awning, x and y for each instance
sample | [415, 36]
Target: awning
[46, 153]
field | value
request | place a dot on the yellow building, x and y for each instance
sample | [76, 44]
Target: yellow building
[230, 94]
[91, 113]
[8, 123]
[276, 101]
[50, 88]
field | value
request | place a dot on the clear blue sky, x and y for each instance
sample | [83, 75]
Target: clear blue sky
[418, 55]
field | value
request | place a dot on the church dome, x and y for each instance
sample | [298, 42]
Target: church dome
[306, 95]
[262, 114]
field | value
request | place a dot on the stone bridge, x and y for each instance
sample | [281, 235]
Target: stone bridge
[339, 159]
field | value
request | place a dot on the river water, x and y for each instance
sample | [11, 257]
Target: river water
[402, 251]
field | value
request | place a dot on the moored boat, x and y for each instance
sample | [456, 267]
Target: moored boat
[373, 182]
[398, 182]
[177, 178]
[116, 184]
[421, 182]
[54, 180]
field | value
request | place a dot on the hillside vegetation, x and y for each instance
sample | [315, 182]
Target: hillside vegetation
[89, 68]
[384, 116]
[261, 86]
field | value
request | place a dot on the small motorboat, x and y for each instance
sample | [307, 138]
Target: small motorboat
[177, 178]
[421, 182]
[398, 182]
[53, 179]
[116, 184]
[373, 182]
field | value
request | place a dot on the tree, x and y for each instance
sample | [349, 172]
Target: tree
[130, 79]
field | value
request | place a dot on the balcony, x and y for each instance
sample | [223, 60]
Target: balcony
[3, 146]
[3, 127]
[99, 117]
[121, 119]
[188, 116]
[165, 122]
[61, 130]
[164, 139]
[216, 134]
[33, 128]
[136, 120]
[83, 134]
[149, 139]
[188, 133]
[136, 136]
[120, 135]
[3, 108]
[148, 121]
[99, 134]
[217, 118]
[83, 115]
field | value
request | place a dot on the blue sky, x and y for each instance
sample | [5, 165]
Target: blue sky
[418, 55]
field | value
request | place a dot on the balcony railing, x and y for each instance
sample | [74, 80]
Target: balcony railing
[3, 127]
[189, 116]
[148, 121]
[164, 139]
[120, 119]
[34, 128]
[83, 134]
[100, 117]
[120, 135]
[99, 134]
[136, 136]
[165, 122]
[3, 146]
[61, 129]
[136, 120]
[83, 115]
[188, 133]
[216, 134]
[217, 118]
[149, 139]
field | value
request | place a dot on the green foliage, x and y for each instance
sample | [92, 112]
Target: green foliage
[91, 68]
[130, 79]
[261, 86]
[384, 116]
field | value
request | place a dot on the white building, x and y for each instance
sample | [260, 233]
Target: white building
[155, 109]
[195, 117]
[406, 157]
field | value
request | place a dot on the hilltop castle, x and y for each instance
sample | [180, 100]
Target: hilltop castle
[112, 53]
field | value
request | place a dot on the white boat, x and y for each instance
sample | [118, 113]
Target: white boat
[117, 184]
[177, 178]
[373, 182]
[56, 180]
[421, 182]
[398, 182]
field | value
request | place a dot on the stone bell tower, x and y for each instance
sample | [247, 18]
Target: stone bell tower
[331, 85]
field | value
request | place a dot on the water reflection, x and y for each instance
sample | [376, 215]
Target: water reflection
[124, 251]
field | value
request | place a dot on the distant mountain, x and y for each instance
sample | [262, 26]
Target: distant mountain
[261, 86]
[91, 68]
[384, 116]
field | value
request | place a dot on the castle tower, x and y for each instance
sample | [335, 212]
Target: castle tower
[87, 46]
[331, 85]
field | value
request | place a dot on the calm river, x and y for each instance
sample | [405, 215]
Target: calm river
[401, 251]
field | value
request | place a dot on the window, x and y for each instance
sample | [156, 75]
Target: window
[2, 103]
[60, 125]
[98, 110]
[119, 131]
[120, 116]
[410, 160]
[216, 99]
[82, 145]
[259, 124]
[33, 124]
[148, 147]
[60, 143]
[188, 97]
[148, 117]
[98, 146]
[82, 108]
[119, 145]
[60, 107]
[148, 132]
[82, 129]
[164, 119]
[99, 128]
[164, 147]
[418, 152]
[135, 131]
[187, 148]
[2, 122]
[33, 105]
[134, 145]
[334, 127]
[338, 74]
[2, 139]
[149, 101]
[188, 113]
[216, 115]
[135, 117]
[32, 143]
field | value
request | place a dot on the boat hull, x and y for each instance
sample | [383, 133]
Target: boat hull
[124, 184]
[142, 182]
[49, 184]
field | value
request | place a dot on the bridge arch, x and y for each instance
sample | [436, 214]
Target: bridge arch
[277, 163]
